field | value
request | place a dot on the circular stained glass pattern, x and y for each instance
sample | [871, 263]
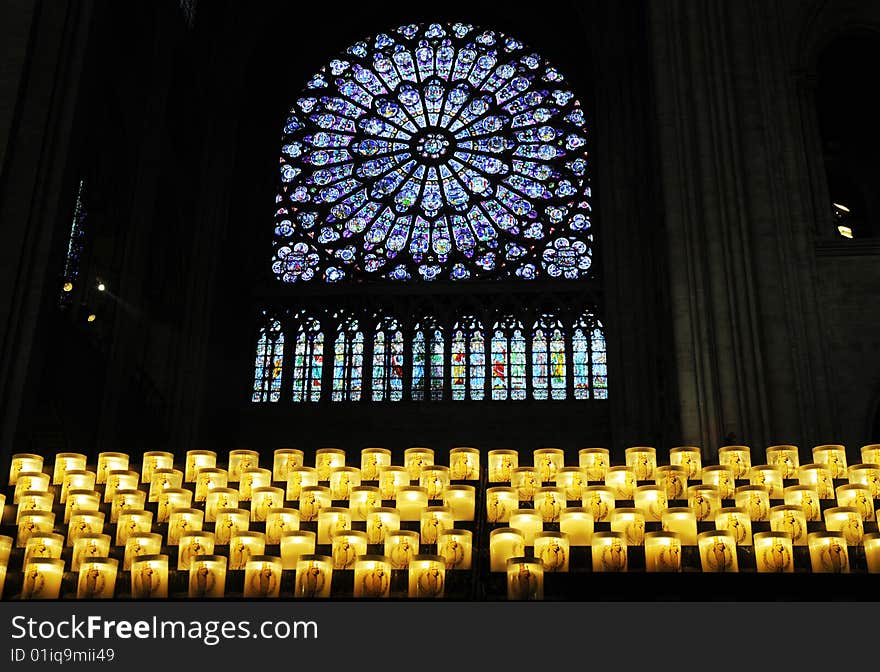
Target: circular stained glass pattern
[434, 152]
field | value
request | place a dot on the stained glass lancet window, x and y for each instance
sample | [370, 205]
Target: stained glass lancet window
[434, 152]
[548, 359]
[508, 362]
[308, 361]
[429, 361]
[348, 361]
[388, 361]
[269, 363]
[599, 362]
[468, 360]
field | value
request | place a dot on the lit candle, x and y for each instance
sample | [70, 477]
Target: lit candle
[870, 454]
[817, 476]
[75, 479]
[124, 500]
[391, 479]
[663, 551]
[30, 523]
[198, 459]
[183, 521]
[689, 457]
[435, 519]
[790, 519]
[609, 552]
[806, 497]
[427, 577]
[312, 499]
[828, 552]
[722, 477]
[65, 462]
[314, 576]
[769, 476]
[296, 544]
[642, 460]
[120, 479]
[456, 548]
[363, 499]
[858, 496]
[599, 501]
[622, 481]
[279, 521]
[866, 473]
[572, 480]
[262, 576]
[30, 481]
[435, 479]
[149, 577]
[250, 479]
[43, 545]
[652, 500]
[193, 544]
[786, 458]
[87, 547]
[5, 549]
[576, 523]
[673, 479]
[108, 462]
[411, 500]
[331, 520]
[736, 520]
[415, 458]
[81, 500]
[209, 478]
[381, 520]
[525, 480]
[138, 544]
[372, 576]
[552, 549]
[504, 543]
[283, 460]
[326, 459]
[155, 459]
[162, 479]
[755, 499]
[529, 522]
[263, 500]
[549, 502]
[548, 461]
[594, 462]
[240, 461]
[500, 501]
[773, 552]
[400, 547]
[464, 464]
[738, 458]
[84, 522]
[461, 499]
[502, 462]
[631, 523]
[371, 460]
[171, 499]
[207, 576]
[718, 551]
[230, 522]
[846, 520]
[299, 478]
[525, 578]
[24, 462]
[42, 579]
[342, 480]
[346, 547]
[872, 552]
[244, 545]
[97, 579]
[683, 522]
[219, 499]
[32, 500]
[834, 456]
[131, 522]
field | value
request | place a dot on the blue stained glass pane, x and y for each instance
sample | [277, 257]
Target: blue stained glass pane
[418, 371]
[540, 357]
[269, 364]
[499, 366]
[557, 365]
[379, 367]
[458, 364]
[600, 368]
[477, 366]
[517, 365]
[581, 364]
[437, 364]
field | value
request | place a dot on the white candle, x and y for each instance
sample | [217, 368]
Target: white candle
[770, 477]
[42, 579]
[326, 459]
[689, 457]
[209, 478]
[299, 478]
[807, 498]
[642, 460]
[723, 477]
[379, 521]
[43, 545]
[577, 524]
[572, 480]
[549, 502]
[240, 461]
[314, 576]
[390, 479]
[251, 479]
[736, 520]
[435, 519]
[526, 481]
[599, 501]
[718, 551]
[312, 499]
[296, 544]
[331, 520]
[504, 543]
[346, 547]
[87, 547]
[197, 459]
[219, 499]
[162, 479]
[663, 551]
[262, 576]
[30, 523]
[502, 462]
[363, 499]
[75, 479]
[372, 576]
[84, 522]
[872, 552]
[464, 464]
[427, 577]
[65, 462]
[400, 547]
[461, 499]
[631, 523]
[525, 579]
[857, 496]
[791, 520]
[817, 476]
[739, 458]
[673, 479]
[867, 474]
[870, 454]
[193, 544]
[834, 456]
[411, 500]
[230, 522]
[172, 499]
[435, 479]
[131, 522]
[622, 481]
[207, 576]
[138, 544]
[24, 462]
[828, 553]
[97, 579]
[155, 459]
[683, 522]
[552, 549]
[595, 462]
[30, 501]
[652, 500]
[847, 521]
[773, 552]
[500, 501]
[182, 521]
[283, 460]
[786, 458]
[371, 460]
[456, 548]
[263, 500]
[279, 521]
[108, 462]
[528, 522]
[243, 546]
[30, 481]
[342, 480]
[609, 552]
[124, 500]
[149, 577]
[755, 499]
[548, 461]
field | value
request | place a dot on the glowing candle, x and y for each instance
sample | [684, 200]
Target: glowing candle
[97, 579]
[42, 579]
[435, 479]
[253, 478]
[283, 460]
[525, 578]
[689, 457]
[400, 547]
[525, 480]
[786, 458]
[631, 523]
[609, 552]
[718, 551]
[149, 577]
[5, 549]
[594, 462]
[209, 478]
[642, 460]
[683, 522]
[331, 520]
[738, 458]
[24, 462]
[464, 464]
[773, 552]
[461, 499]
[244, 545]
[262, 576]
[502, 462]
[529, 522]
[183, 521]
[33, 500]
[84, 522]
[314, 576]
[872, 552]
[411, 500]
[163, 479]
[29, 523]
[263, 500]
[456, 548]
[504, 543]
[240, 461]
[599, 501]
[76, 479]
[755, 499]
[342, 480]
[207, 576]
[81, 500]
[278, 521]
[372, 576]
[219, 499]
[769, 476]
[65, 462]
[663, 551]
[326, 459]
[391, 479]
[552, 549]
[380, 521]
[193, 544]
[652, 500]
[299, 478]
[549, 502]
[119, 479]
[868, 474]
[846, 520]
[870, 454]
[834, 456]
[415, 458]
[371, 460]
[363, 499]
[155, 459]
[43, 545]
[736, 520]
[312, 499]
[828, 552]
[346, 547]
[622, 481]
[198, 459]
[30, 481]
[790, 519]
[296, 544]
[131, 522]
[108, 462]
[87, 547]
[576, 523]
[806, 497]
[721, 477]
[857, 496]
[818, 476]
[124, 500]
[434, 519]
[572, 480]
[548, 461]
[427, 577]
[229, 523]
[172, 499]
[673, 479]
[500, 501]
[139, 544]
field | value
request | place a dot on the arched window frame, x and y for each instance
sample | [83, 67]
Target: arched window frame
[388, 352]
[308, 361]
[549, 361]
[467, 364]
[348, 361]
[269, 364]
[508, 366]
